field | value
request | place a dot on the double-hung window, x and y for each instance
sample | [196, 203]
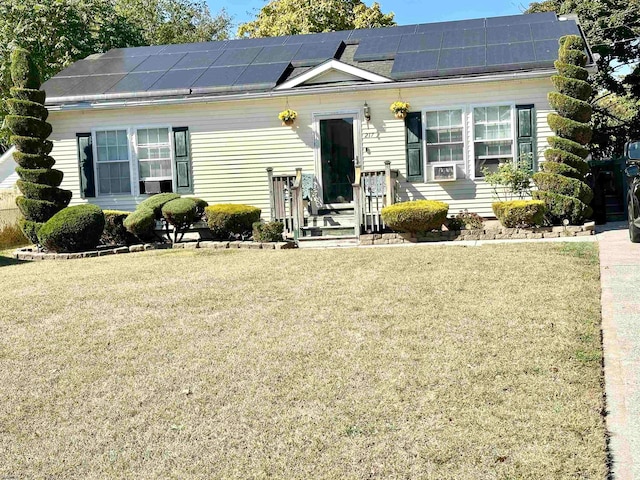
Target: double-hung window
[154, 157]
[445, 143]
[113, 162]
[492, 137]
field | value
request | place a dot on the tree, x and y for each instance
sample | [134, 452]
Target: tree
[561, 183]
[41, 198]
[611, 27]
[292, 17]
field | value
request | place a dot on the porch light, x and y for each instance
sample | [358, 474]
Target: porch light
[367, 112]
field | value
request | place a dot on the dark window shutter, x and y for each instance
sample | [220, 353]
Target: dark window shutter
[526, 133]
[182, 159]
[415, 162]
[85, 164]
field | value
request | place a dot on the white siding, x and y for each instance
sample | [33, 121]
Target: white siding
[234, 142]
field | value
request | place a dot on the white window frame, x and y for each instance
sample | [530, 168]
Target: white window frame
[428, 172]
[134, 161]
[472, 123]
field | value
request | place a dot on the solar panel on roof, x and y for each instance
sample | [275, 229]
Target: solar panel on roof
[420, 42]
[95, 83]
[256, 42]
[198, 59]
[464, 38]
[383, 48]
[277, 54]
[445, 26]
[237, 56]
[136, 82]
[381, 32]
[266, 74]
[521, 19]
[461, 58]
[57, 87]
[508, 34]
[319, 37]
[102, 65]
[547, 31]
[416, 64]
[134, 52]
[162, 62]
[217, 78]
[311, 54]
[546, 50]
[506, 54]
[195, 47]
[178, 78]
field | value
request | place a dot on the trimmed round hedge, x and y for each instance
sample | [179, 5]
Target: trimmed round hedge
[572, 71]
[560, 169]
[569, 146]
[38, 191]
[115, 232]
[570, 107]
[561, 207]
[416, 216]
[32, 145]
[141, 223]
[43, 176]
[73, 229]
[24, 71]
[156, 202]
[230, 218]
[519, 213]
[28, 126]
[30, 229]
[268, 232]
[37, 210]
[33, 160]
[180, 212]
[571, 187]
[561, 156]
[567, 128]
[572, 87]
[31, 94]
[26, 108]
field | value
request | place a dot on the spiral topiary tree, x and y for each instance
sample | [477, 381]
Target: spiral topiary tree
[561, 182]
[41, 198]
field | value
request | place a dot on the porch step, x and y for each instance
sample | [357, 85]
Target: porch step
[328, 241]
[327, 231]
[330, 221]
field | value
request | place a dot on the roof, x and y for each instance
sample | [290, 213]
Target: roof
[8, 175]
[401, 54]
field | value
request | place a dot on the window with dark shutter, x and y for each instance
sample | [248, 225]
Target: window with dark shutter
[526, 133]
[182, 159]
[415, 157]
[85, 165]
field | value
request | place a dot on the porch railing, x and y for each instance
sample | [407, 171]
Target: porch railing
[285, 193]
[372, 191]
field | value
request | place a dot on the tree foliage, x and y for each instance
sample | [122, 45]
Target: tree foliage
[610, 27]
[292, 17]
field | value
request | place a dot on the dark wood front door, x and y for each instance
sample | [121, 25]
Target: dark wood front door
[337, 155]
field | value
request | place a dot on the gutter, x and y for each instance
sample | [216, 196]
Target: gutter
[140, 101]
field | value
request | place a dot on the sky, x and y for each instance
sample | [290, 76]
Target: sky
[407, 11]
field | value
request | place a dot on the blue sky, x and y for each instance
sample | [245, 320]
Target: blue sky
[407, 11]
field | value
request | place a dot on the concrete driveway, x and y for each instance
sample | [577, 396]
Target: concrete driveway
[620, 277]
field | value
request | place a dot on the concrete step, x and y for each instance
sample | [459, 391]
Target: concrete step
[330, 221]
[328, 241]
[329, 230]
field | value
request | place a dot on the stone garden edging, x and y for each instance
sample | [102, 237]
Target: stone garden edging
[30, 254]
[499, 233]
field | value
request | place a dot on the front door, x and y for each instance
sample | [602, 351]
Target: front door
[337, 159]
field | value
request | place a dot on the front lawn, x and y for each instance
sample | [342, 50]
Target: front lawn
[427, 362]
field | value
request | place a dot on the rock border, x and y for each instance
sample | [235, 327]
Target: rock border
[500, 233]
[30, 254]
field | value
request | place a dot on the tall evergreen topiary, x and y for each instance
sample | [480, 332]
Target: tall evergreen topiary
[41, 198]
[561, 182]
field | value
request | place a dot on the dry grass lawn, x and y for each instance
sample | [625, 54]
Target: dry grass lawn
[434, 363]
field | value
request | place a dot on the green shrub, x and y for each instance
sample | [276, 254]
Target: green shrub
[268, 232]
[43, 176]
[26, 108]
[230, 218]
[33, 160]
[571, 42]
[180, 213]
[571, 71]
[73, 229]
[114, 232]
[37, 210]
[568, 146]
[561, 207]
[416, 216]
[30, 229]
[560, 169]
[141, 223]
[560, 156]
[567, 128]
[31, 94]
[571, 187]
[570, 107]
[470, 220]
[200, 206]
[37, 191]
[574, 57]
[519, 213]
[572, 87]
[156, 202]
[24, 72]
[28, 126]
[31, 145]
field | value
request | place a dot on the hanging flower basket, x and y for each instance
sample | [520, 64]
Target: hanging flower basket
[287, 117]
[400, 109]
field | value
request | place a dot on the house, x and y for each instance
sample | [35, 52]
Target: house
[202, 119]
[8, 175]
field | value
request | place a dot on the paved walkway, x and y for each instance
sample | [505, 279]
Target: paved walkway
[620, 277]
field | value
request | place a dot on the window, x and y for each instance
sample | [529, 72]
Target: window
[492, 137]
[113, 162]
[154, 157]
[445, 143]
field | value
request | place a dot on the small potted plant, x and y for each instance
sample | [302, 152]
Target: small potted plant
[287, 116]
[400, 109]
